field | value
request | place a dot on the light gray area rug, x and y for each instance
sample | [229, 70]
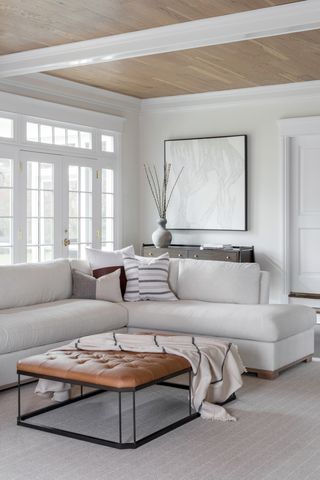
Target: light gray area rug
[276, 437]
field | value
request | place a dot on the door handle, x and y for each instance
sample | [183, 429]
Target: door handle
[66, 242]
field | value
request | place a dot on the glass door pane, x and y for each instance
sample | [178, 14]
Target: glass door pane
[107, 209]
[6, 211]
[80, 214]
[40, 211]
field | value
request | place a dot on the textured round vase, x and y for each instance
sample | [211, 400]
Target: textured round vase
[162, 237]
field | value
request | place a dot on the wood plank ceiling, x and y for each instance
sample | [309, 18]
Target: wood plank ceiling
[29, 24]
[265, 61]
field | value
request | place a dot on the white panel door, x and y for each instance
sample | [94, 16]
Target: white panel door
[305, 214]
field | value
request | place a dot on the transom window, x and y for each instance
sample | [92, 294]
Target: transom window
[6, 127]
[49, 134]
[107, 143]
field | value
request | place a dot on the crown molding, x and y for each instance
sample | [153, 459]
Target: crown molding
[265, 22]
[58, 90]
[35, 107]
[227, 98]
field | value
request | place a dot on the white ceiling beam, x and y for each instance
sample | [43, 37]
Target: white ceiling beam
[265, 22]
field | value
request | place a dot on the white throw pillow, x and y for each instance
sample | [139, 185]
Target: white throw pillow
[147, 279]
[100, 258]
[108, 287]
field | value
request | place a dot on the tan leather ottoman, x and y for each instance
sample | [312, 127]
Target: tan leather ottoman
[118, 371]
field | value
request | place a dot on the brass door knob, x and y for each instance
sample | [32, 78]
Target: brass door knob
[66, 242]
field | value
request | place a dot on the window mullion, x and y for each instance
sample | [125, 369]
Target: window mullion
[58, 189]
[96, 208]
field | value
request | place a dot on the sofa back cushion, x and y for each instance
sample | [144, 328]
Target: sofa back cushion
[29, 284]
[220, 282]
[173, 274]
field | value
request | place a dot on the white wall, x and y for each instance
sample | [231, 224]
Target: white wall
[256, 118]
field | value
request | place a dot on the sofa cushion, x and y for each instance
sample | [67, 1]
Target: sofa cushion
[43, 324]
[224, 282]
[173, 274]
[267, 323]
[33, 283]
[80, 265]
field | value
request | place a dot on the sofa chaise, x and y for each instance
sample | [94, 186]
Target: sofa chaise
[220, 299]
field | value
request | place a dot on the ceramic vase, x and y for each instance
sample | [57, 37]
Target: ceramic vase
[162, 237]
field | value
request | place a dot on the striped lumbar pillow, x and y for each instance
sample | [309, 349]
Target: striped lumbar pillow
[147, 280]
[131, 266]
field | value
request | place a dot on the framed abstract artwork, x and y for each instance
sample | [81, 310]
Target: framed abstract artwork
[211, 193]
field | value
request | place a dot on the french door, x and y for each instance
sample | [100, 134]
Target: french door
[66, 205]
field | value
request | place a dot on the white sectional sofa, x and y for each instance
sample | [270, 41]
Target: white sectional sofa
[220, 299]
[37, 312]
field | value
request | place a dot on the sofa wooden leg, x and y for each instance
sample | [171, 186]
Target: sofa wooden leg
[271, 375]
[308, 359]
[268, 375]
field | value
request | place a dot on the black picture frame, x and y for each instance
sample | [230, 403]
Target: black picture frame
[214, 195]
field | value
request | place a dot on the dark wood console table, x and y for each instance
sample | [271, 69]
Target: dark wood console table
[233, 254]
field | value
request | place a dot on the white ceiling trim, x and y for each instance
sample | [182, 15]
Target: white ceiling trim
[53, 89]
[227, 98]
[265, 22]
[43, 109]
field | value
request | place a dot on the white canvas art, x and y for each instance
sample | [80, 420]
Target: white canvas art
[211, 192]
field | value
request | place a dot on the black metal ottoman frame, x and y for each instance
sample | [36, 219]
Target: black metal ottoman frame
[21, 419]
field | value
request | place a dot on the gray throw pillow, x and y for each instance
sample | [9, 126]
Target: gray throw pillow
[83, 285]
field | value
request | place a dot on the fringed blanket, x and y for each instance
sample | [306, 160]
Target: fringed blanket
[216, 365]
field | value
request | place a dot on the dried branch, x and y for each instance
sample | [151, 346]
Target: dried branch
[159, 191]
[173, 187]
[152, 189]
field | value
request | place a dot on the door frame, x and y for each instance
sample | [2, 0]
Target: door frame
[288, 129]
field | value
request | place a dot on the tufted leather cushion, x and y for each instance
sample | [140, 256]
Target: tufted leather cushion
[107, 369]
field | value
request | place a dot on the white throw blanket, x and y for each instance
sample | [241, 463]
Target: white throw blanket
[213, 362]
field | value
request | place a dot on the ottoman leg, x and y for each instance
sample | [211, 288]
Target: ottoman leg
[120, 419]
[134, 416]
